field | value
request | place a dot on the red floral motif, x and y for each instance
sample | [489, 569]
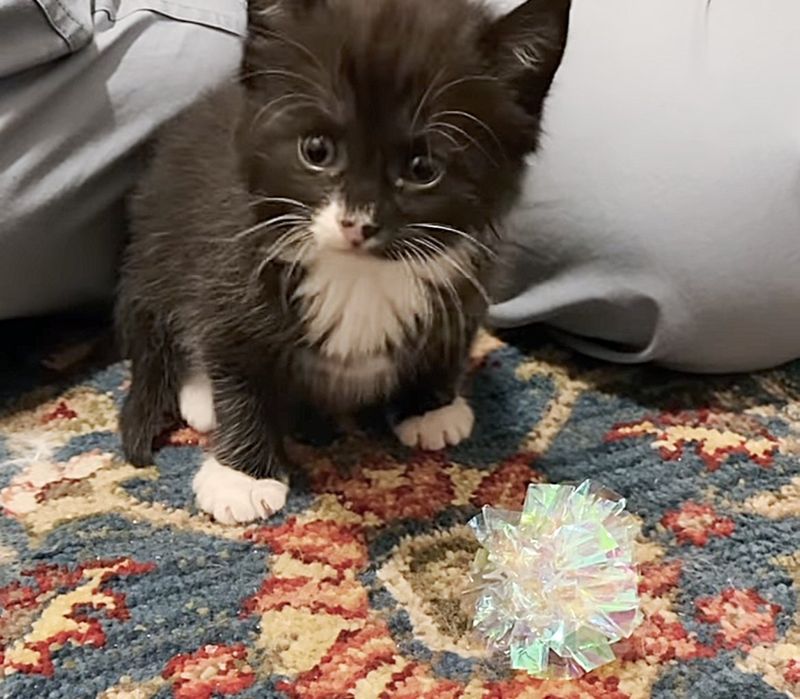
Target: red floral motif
[339, 546]
[180, 435]
[715, 436]
[388, 489]
[656, 579]
[75, 626]
[745, 618]
[593, 685]
[792, 672]
[658, 640]
[344, 597]
[38, 482]
[695, 523]
[212, 670]
[354, 655]
[416, 682]
[18, 596]
[61, 412]
[185, 437]
[506, 486]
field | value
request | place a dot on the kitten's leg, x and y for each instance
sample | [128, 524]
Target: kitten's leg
[196, 401]
[155, 366]
[431, 413]
[246, 478]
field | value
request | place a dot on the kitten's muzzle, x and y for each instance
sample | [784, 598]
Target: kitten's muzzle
[356, 234]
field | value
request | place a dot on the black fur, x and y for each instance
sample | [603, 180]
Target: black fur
[195, 288]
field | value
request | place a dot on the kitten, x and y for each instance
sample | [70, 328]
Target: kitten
[323, 230]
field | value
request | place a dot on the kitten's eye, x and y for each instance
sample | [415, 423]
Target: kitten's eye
[424, 172]
[317, 152]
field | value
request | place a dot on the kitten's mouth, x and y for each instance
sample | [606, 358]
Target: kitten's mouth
[360, 249]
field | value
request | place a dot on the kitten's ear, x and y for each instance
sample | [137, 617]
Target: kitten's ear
[526, 46]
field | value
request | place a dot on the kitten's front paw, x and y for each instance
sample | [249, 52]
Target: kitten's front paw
[234, 497]
[446, 426]
[196, 401]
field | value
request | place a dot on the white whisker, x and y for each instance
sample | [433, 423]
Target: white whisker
[296, 44]
[436, 245]
[270, 223]
[286, 74]
[286, 278]
[424, 98]
[277, 248]
[433, 129]
[447, 284]
[455, 231]
[439, 281]
[281, 200]
[300, 100]
[475, 120]
[432, 92]
[295, 235]
[436, 126]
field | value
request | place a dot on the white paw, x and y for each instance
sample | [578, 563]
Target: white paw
[234, 497]
[439, 428]
[196, 401]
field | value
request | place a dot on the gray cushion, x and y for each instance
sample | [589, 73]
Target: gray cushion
[662, 218]
[71, 129]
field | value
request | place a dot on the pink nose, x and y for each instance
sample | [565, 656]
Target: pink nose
[352, 231]
[355, 232]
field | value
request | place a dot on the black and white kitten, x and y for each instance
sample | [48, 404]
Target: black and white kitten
[323, 229]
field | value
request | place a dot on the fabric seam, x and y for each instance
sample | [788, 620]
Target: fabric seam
[180, 12]
[68, 34]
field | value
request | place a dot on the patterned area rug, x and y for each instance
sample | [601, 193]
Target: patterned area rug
[112, 585]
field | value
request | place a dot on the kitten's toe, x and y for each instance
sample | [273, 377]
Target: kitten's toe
[196, 402]
[446, 426]
[233, 497]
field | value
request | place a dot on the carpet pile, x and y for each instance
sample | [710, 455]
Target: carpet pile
[113, 586]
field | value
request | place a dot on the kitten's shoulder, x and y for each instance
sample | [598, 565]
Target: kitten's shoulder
[193, 159]
[205, 128]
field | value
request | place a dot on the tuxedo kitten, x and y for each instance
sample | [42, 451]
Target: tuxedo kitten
[323, 230]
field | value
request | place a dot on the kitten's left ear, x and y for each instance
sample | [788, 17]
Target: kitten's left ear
[526, 46]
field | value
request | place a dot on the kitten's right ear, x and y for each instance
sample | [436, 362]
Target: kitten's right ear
[526, 46]
[264, 20]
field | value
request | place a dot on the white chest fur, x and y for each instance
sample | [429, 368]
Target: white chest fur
[358, 306]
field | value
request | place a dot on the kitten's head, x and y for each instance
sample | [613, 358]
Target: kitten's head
[394, 127]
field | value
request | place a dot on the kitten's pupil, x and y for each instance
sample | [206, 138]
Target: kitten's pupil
[424, 171]
[317, 152]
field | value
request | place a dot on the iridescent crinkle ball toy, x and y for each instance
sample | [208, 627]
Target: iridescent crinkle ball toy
[556, 584]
